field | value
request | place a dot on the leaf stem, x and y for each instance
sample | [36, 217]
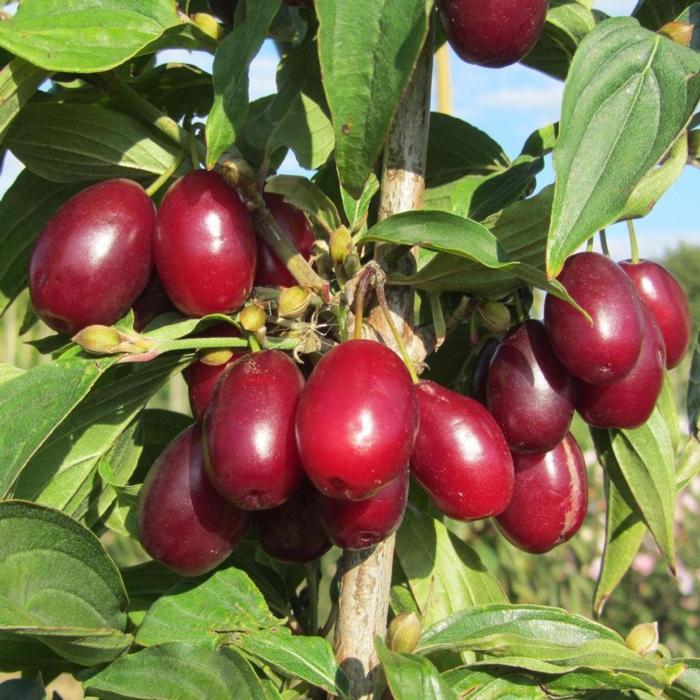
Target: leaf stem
[313, 580]
[633, 242]
[604, 242]
[164, 177]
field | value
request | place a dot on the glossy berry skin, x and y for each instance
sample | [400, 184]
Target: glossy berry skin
[204, 245]
[493, 33]
[529, 392]
[357, 420]
[461, 457]
[251, 453]
[668, 304]
[93, 257]
[292, 532]
[480, 373]
[270, 271]
[362, 524]
[183, 522]
[628, 402]
[606, 350]
[550, 498]
[201, 377]
[151, 303]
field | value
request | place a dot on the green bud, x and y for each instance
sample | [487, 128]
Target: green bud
[495, 316]
[208, 25]
[215, 358]
[404, 633]
[293, 302]
[643, 639]
[99, 340]
[341, 245]
[253, 318]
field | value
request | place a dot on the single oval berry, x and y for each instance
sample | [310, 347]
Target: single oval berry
[606, 349]
[270, 271]
[93, 257]
[357, 420]
[292, 532]
[550, 498]
[461, 457]
[493, 33]
[204, 245]
[362, 524]
[251, 453]
[183, 522]
[628, 402]
[667, 302]
[529, 392]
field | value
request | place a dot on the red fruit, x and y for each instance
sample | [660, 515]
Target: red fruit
[251, 452]
[550, 498]
[201, 377]
[493, 33]
[183, 522]
[152, 302]
[606, 350]
[461, 457]
[480, 373]
[292, 533]
[628, 402]
[357, 420]
[204, 245]
[93, 257]
[361, 524]
[668, 304]
[530, 394]
[270, 271]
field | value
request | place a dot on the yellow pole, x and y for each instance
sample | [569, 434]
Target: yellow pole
[443, 79]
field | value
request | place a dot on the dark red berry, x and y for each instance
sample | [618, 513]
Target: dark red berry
[606, 349]
[152, 302]
[493, 33]
[461, 457]
[530, 394]
[204, 245]
[550, 498]
[183, 522]
[357, 420]
[94, 257]
[628, 402]
[480, 373]
[251, 453]
[292, 532]
[361, 524]
[271, 272]
[668, 304]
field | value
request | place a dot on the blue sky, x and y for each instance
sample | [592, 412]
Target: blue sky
[509, 104]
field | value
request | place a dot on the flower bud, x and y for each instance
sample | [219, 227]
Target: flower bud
[680, 32]
[100, 340]
[208, 25]
[404, 633]
[495, 316]
[341, 245]
[253, 318]
[643, 639]
[215, 358]
[293, 302]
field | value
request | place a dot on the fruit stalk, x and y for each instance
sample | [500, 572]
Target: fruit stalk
[366, 574]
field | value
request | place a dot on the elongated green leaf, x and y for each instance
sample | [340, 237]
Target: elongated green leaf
[497, 683]
[411, 676]
[84, 36]
[687, 685]
[231, 64]
[38, 401]
[77, 143]
[366, 69]
[18, 82]
[444, 574]
[308, 658]
[226, 602]
[693, 397]
[622, 74]
[182, 671]
[58, 587]
[24, 210]
[357, 210]
[591, 680]
[653, 14]
[8, 372]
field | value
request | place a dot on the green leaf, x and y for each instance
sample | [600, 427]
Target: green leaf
[693, 397]
[590, 680]
[308, 658]
[687, 685]
[226, 602]
[8, 372]
[411, 676]
[653, 14]
[38, 402]
[231, 64]
[444, 574]
[357, 210]
[366, 69]
[24, 210]
[64, 472]
[58, 587]
[182, 671]
[622, 74]
[77, 143]
[497, 683]
[18, 82]
[84, 36]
